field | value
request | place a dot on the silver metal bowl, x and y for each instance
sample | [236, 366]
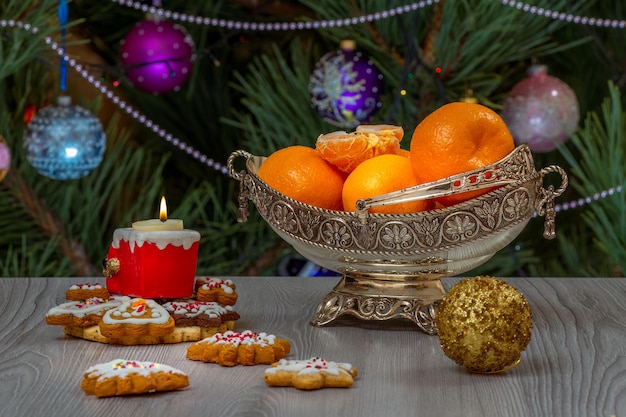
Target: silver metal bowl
[392, 263]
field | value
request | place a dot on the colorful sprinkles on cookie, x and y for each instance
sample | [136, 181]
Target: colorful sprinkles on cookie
[83, 291]
[137, 308]
[212, 283]
[93, 303]
[195, 308]
[137, 317]
[92, 313]
[86, 286]
[246, 337]
[311, 366]
[85, 313]
[232, 348]
[216, 289]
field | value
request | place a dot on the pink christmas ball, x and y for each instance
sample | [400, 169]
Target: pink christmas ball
[157, 56]
[5, 158]
[541, 111]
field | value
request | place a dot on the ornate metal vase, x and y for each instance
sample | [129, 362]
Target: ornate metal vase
[392, 264]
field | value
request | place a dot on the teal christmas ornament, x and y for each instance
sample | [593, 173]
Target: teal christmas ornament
[64, 142]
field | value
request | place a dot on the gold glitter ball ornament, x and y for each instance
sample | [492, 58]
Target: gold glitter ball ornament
[484, 324]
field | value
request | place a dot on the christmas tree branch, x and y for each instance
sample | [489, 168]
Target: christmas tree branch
[600, 166]
[52, 227]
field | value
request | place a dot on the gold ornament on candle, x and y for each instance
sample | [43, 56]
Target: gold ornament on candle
[111, 267]
[484, 324]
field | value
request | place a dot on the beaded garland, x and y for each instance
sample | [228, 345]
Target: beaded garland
[277, 26]
[566, 17]
[356, 20]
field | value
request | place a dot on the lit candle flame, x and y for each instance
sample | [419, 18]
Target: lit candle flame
[163, 210]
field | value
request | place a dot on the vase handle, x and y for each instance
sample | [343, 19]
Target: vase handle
[545, 206]
[242, 216]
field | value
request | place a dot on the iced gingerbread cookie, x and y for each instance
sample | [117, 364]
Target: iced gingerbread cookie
[178, 335]
[246, 348]
[193, 321]
[84, 313]
[196, 320]
[137, 318]
[200, 313]
[123, 377]
[218, 290]
[78, 292]
[311, 374]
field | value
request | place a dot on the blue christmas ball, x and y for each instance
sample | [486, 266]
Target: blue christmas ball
[345, 87]
[64, 142]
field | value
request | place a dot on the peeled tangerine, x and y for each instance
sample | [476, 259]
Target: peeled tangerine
[347, 150]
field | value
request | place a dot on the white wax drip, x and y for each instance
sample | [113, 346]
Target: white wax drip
[161, 239]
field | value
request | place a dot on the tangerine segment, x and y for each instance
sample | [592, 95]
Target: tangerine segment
[381, 175]
[382, 131]
[347, 150]
[456, 138]
[301, 173]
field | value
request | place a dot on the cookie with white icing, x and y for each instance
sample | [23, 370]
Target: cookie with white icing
[311, 374]
[179, 335]
[124, 377]
[87, 312]
[78, 292]
[206, 314]
[222, 291]
[137, 317]
[233, 348]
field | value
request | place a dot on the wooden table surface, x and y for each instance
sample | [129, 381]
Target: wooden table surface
[575, 364]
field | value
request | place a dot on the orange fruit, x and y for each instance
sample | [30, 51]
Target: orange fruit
[301, 173]
[404, 152]
[347, 150]
[380, 175]
[455, 138]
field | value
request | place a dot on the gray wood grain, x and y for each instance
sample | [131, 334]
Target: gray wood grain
[575, 364]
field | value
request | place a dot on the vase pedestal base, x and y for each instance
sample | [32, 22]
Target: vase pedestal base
[375, 299]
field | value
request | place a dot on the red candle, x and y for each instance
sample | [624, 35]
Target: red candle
[156, 258]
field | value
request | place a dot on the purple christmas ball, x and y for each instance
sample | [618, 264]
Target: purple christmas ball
[157, 56]
[345, 87]
[541, 111]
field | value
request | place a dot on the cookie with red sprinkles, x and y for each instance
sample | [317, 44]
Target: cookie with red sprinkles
[218, 290]
[79, 292]
[311, 374]
[126, 377]
[232, 348]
